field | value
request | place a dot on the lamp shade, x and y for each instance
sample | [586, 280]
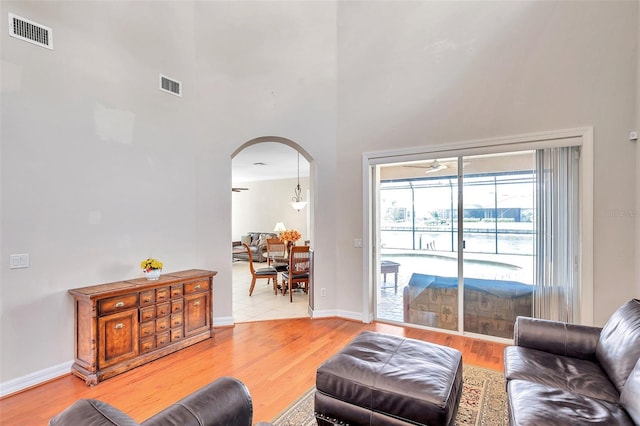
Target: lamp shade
[298, 205]
[279, 227]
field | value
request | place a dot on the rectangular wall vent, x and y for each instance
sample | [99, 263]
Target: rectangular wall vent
[30, 31]
[170, 85]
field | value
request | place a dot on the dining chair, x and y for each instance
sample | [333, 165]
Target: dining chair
[270, 273]
[277, 254]
[298, 271]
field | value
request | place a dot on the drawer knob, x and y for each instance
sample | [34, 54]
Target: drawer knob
[147, 300]
[119, 304]
[119, 326]
[197, 287]
[196, 303]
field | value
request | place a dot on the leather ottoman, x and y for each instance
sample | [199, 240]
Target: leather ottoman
[381, 379]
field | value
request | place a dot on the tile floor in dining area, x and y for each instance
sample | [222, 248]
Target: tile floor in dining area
[263, 304]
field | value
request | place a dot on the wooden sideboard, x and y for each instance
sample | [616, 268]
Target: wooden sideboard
[122, 325]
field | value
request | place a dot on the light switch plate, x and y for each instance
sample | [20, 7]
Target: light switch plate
[17, 261]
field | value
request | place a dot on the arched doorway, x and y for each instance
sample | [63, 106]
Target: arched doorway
[265, 173]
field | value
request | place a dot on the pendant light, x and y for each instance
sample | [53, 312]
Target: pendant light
[296, 201]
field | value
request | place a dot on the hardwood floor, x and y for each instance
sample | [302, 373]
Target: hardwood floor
[277, 360]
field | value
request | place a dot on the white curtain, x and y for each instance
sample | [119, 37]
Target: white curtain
[556, 293]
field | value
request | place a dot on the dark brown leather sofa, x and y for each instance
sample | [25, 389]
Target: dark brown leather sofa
[566, 374]
[223, 402]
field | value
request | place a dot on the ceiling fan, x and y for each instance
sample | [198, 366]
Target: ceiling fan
[239, 189]
[431, 167]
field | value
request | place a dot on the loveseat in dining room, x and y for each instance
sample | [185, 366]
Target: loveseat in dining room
[257, 243]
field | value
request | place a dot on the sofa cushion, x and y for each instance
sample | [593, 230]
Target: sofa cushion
[564, 373]
[536, 404]
[263, 239]
[618, 348]
[630, 396]
[92, 412]
[255, 239]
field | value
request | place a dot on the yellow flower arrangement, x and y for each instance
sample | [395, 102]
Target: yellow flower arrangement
[290, 236]
[150, 264]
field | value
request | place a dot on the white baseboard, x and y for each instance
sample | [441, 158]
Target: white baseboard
[35, 378]
[223, 321]
[354, 316]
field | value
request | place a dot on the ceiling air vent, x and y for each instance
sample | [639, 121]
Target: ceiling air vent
[170, 85]
[30, 31]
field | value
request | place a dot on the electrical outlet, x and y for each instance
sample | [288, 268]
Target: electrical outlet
[323, 292]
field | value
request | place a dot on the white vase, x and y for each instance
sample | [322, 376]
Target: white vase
[153, 274]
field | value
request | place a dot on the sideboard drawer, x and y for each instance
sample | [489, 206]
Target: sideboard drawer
[176, 320]
[163, 339]
[176, 291]
[147, 329]
[147, 297]
[177, 306]
[147, 345]
[147, 314]
[162, 324]
[116, 304]
[196, 287]
[162, 294]
[162, 310]
[176, 334]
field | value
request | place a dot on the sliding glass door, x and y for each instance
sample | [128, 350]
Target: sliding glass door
[498, 241]
[459, 240]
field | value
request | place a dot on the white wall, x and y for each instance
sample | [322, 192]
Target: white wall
[99, 169]
[267, 203]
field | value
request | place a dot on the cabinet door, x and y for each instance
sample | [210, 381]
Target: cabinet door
[196, 314]
[118, 336]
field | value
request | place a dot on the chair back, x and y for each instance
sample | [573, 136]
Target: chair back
[253, 271]
[299, 261]
[276, 249]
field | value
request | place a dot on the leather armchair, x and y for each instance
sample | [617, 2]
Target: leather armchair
[223, 402]
[567, 374]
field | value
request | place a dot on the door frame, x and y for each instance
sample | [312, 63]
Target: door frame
[582, 136]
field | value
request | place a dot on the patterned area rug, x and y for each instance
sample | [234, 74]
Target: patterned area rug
[483, 402]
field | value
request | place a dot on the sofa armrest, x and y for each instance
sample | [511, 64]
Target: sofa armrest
[560, 338]
[225, 401]
[93, 412]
